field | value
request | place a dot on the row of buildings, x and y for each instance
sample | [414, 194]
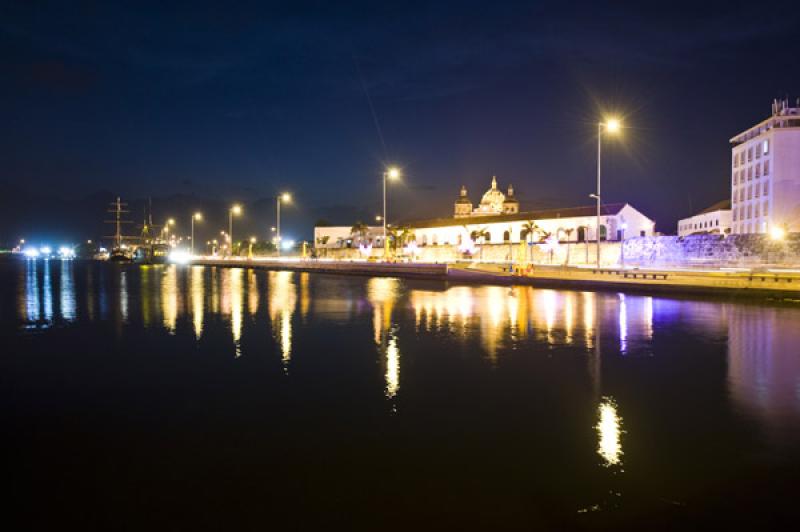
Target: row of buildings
[765, 194]
[497, 220]
[765, 180]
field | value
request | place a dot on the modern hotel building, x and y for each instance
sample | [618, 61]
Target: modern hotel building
[765, 173]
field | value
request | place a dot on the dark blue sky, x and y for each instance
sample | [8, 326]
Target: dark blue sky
[235, 102]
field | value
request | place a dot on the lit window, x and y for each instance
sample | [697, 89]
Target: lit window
[766, 146]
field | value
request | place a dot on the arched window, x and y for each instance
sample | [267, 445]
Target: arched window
[487, 236]
[473, 236]
[581, 234]
[506, 236]
[603, 232]
[424, 240]
[523, 234]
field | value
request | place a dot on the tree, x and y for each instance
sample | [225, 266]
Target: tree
[530, 229]
[569, 233]
[359, 229]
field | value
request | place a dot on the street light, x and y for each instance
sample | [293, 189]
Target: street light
[777, 233]
[391, 173]
[196, 216]
[165, 229]
[281, 198]
[611, 125]
[237, 210]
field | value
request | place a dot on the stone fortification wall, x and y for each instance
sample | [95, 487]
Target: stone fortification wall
[713, 251]
[655, 251]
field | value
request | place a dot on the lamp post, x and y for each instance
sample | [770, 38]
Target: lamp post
[611, 125]
[165, 229]
[237, 210]
[391, 173]
[196, 216]
[281, 198]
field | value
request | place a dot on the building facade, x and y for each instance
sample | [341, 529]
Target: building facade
[765, 173]
[497, 220]
[337, 237]
[713, 220]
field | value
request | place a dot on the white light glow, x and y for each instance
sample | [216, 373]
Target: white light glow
[179, 256]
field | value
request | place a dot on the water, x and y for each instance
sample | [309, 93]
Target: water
[169, 396]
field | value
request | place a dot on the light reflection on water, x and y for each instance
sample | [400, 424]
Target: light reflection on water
[577, 377]
[282, 303]
[763, 369]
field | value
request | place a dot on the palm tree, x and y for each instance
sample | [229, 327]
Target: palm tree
[359, 229]
[569, 233]
[479, 233]
[530, 229]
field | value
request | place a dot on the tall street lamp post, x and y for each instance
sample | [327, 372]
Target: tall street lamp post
[612, 126]
[237, 210]
[196, 216]
[391, 173]
[281, 198]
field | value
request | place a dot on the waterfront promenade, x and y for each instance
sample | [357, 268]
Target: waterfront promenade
[733, 282]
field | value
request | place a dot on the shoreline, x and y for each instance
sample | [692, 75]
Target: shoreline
[761, 285]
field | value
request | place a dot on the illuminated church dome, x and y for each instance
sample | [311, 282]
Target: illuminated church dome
[492, 201]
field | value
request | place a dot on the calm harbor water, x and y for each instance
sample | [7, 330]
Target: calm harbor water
[174, 396]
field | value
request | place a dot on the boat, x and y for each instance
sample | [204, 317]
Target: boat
[120, 251]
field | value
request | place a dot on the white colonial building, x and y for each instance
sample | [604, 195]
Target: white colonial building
[498, 220]
[765, 173]
[335, 237]
[713, 220]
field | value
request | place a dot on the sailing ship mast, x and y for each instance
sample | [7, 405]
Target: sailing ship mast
[118, 208]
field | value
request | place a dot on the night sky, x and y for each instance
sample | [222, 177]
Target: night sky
[205, 104]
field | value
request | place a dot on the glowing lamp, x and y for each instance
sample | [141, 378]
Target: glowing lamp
[613, 125]
[777, 233]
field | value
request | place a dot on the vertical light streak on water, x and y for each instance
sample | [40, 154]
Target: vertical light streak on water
[623, 324]
[236, 301]
[305, 295]
[282, 304]
[648, 319]
[197, 297]
[392, 367]
[252, 293]
[382, 294]
[569, 317]
[550, 303]
[47, 294]
[146, 298]
[123, 295]
[609, 431]
[67, 293]
[169, 298]
[32, 301]
[588, 318]
[214, 291]
[513, 310]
